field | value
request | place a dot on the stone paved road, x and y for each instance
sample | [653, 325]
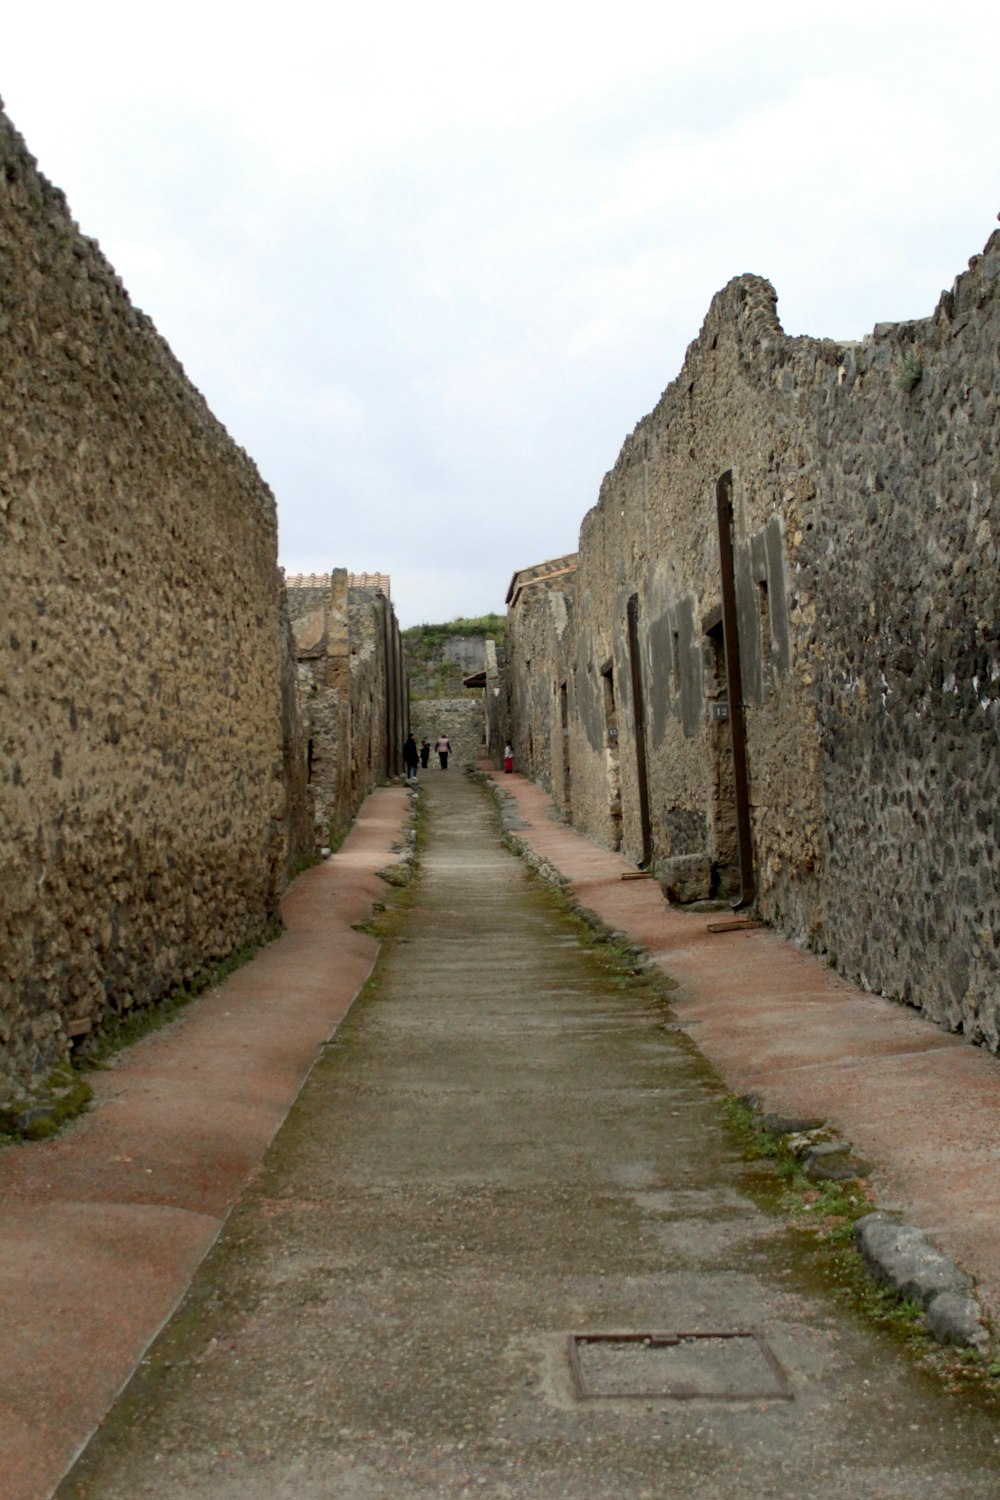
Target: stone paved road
[507, 1144]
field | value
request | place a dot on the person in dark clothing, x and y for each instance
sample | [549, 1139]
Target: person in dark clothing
[425, 753]
[410, 757]
[443, 748]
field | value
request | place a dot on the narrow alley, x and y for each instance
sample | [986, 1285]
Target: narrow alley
[507, 1163]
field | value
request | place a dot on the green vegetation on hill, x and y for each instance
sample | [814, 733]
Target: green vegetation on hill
[431, 676]
[433, 637]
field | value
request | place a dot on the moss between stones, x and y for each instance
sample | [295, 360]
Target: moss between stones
[823, 1214]
[48, 1105]
[383, 919]
[122, 1030]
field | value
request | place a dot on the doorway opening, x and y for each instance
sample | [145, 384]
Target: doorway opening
[612, 760]
[733, 670]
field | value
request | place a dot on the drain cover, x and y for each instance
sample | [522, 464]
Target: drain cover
[730, 1366]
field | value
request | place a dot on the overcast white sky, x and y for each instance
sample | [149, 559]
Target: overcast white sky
[431, 263]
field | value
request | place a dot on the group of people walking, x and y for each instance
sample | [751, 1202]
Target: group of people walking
[412, 757]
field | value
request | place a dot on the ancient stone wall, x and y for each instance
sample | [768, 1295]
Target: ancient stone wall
[865, 511]
[539, 638]
[145, 827]
[465, 651]
[460, 719]
[438, 663]
[494, 702]
[350, 693]
[299, 807]
[903, 652]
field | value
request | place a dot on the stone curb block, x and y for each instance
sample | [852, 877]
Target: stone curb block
[542, 868]
[954, 1319]
[900, 1256]
[896, 1254]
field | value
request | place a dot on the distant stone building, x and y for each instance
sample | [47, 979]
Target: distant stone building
[448, 673]
[774, 677]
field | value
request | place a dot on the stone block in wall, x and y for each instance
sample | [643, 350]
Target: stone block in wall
[686, 877]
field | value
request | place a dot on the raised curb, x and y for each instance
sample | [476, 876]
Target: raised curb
[901, 1256]
[673, 944]
[104, 1225]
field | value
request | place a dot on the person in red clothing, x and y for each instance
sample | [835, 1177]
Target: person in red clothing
[508, 758]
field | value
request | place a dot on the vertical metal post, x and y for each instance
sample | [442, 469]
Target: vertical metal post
[734, 679]
[639, 720]
[402, 702]
[391, 768]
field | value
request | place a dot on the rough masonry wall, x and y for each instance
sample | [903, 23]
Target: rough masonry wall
[299, 810]
[143, 816]
[349, 694]
[907, 653]
[459, 719]
[494, 702]
[865, 517]
[654, 536]
[540, 693]
[537, 639]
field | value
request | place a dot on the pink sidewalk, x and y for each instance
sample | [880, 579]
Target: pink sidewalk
[102, 1228]
[921, 1104]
